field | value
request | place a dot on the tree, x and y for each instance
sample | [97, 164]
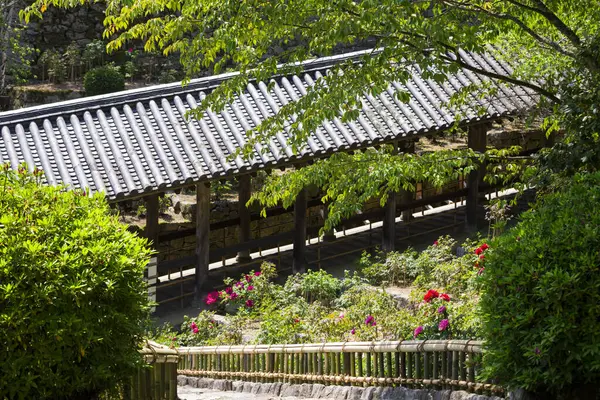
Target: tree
[555, 42]
[14, 56]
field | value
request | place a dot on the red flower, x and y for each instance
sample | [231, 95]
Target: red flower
[478, 251]
[435, 243]
[485, 246]
[249, 303]
[248, 278]
[212, 297]
[445, 296]
[430, 295]
[482, 257]
[257, 273]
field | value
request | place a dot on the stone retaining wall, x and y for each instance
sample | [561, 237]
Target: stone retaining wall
[319, 391]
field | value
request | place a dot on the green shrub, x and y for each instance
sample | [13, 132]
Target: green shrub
[314, 286]
[386, 269]
[73, 302]
[103, 80]
[541, 303]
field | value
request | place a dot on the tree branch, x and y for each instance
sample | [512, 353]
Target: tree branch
[552, 44]
[544, 11]
[504, 78]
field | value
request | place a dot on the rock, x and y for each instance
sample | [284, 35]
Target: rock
[275, 388]
[248, 386]
[222, 385]
[305, 390]
[440, 394]
[368, 394]
[326, 393]
[182, 380]
[355, 393]
[193, 382]
[237, 386]
[316, 390]
[461, 395]
[341, 392]
[291, 391]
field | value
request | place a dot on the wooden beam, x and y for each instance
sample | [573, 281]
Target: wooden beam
[477, 141]
[299, 253]
[151, 230]
[202, 235]
[244, 192]
[389, 224]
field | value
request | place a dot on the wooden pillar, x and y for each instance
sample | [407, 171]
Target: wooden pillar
[299, 255]
[477, 141]
[406, 196]
[202, 235]
[245, 190]
[389, 224]
[151, 233]
[328, 236]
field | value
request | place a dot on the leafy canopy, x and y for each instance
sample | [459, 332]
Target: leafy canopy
[554, 42]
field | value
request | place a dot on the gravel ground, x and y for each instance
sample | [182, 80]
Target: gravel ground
[190, 393]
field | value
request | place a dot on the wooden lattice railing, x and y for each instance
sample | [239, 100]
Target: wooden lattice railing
[441, 364]
[157, 380]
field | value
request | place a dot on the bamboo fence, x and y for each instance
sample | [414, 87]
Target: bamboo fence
[435, 364]
[158, 379]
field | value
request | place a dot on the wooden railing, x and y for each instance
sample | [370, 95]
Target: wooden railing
[158, 379]
[453, 364]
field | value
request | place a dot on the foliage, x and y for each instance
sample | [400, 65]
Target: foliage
[73, 59]
[93, 54]
[248, 293]
[541, 300]
[350, 180]
[386, 269]
[73, 299]
[15, 57]
[314, 286]
[103, 80]
[57, 71]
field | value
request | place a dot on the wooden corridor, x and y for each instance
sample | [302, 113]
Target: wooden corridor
[335, 257]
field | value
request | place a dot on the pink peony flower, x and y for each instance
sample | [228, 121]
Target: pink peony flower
[250, 287]
[234, 296]
[442, 309]
[435, 243]
[195, 330]
[248, 278]
[249, 303]
[229, 290]
[257, 273]
[342, 315]
[480, 270]
[353, 331]
[212, 297]
[418, 330]
[193, 326]
[443, 325]
[370, 320]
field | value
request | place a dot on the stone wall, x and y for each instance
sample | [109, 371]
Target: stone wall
[60, 27]
[332, 392]
[229, 236]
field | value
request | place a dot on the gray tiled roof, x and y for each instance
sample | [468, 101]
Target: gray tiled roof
[137, 141]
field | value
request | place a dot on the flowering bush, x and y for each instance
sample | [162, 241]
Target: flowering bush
[434, 321]
[246, 293]
[541, 300]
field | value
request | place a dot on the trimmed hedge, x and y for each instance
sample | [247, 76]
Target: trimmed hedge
[541, 301]
[73, 303]
[103, 80]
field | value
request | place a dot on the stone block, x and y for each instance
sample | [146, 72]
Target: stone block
[248, 386]
[341, 392]
[237, 386]
[355, 393]
[461, 395]
[182, 380]
[368, 393]
[291, 391]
